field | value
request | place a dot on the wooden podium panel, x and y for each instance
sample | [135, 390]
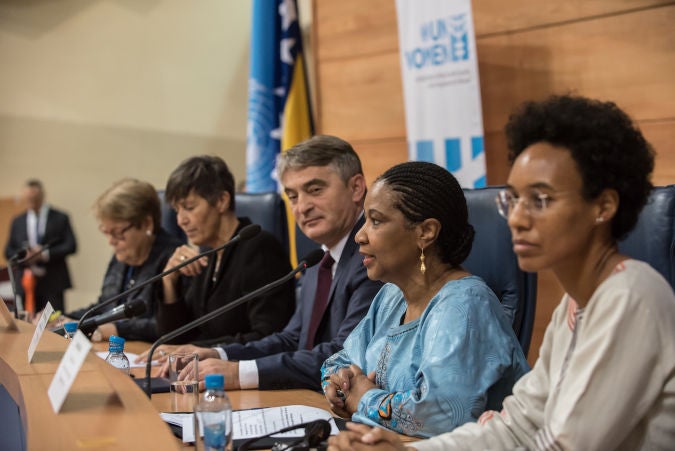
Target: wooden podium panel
[104, 409]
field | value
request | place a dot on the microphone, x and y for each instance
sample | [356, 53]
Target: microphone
[129, 310]
[246, 233]
[310, 260]
[20, 255]
[315, 432]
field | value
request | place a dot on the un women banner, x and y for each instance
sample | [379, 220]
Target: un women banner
[441, 87]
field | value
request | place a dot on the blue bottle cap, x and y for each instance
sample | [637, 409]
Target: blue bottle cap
[214, 381]
[114, 339]
[70, 327]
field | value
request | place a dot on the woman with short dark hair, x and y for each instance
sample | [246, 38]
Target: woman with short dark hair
[201, 190]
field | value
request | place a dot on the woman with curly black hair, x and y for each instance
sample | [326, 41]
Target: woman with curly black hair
[605, 378]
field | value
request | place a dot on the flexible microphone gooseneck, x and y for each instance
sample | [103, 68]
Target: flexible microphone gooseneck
[246, 233]
[130, 309]
[315, 432]
[310, 260]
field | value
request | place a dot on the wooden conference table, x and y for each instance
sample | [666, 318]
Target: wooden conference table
[104, 409]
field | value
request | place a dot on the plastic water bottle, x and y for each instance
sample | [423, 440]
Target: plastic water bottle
[70, 328]
[116, 355]
[214, 413]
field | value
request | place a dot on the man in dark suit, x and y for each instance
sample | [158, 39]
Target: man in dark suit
[32, 230]
[324, 182]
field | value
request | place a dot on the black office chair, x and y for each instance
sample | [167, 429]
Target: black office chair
[492, 258]
[266, 209]
[168, 218]
[653, 239]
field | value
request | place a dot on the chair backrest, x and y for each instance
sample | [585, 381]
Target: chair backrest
[492, 258]
[653, 239]
[168, 218]
[266, 209]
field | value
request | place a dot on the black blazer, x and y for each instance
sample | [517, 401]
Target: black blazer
[58, 232]
[246, 266]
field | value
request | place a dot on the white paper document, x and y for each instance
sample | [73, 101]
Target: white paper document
[257, 422]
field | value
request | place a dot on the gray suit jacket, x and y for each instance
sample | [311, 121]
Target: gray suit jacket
[282, 360]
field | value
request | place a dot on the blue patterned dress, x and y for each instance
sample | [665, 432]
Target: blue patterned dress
[442, 370]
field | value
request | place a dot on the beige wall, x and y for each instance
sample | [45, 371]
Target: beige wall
[92, 91]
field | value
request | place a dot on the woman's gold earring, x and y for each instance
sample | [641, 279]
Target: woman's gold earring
[148, 232]
[599, 220]
[423, 267]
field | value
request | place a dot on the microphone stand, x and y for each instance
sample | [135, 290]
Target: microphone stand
[247, 232]
[311, 260]
[18, 302]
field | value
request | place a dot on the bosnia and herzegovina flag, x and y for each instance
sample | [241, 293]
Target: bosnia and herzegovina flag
[279, 113]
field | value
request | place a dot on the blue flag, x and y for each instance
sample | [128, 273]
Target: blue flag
[278, 107]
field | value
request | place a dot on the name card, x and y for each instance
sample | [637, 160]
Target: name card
[39, 329]
[67, 371]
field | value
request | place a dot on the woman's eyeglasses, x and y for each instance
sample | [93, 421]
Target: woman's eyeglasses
[534, 204]
[116, 234]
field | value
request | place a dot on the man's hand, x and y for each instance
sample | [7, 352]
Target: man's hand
[34, 254]
[162, 355]
[230, 370]
[106, 330]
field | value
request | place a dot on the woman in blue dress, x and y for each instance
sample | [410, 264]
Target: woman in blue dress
[435, 349]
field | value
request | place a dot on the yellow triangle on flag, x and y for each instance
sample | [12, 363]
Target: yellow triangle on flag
[297, 127]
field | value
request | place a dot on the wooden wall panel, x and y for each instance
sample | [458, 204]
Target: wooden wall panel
[661, 135]
[9, 207]
[378, 156]
[362, 98]
[499, 16]
[603, 58]
[368, 27]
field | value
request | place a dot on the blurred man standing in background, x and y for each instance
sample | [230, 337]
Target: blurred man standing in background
[46, 235]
